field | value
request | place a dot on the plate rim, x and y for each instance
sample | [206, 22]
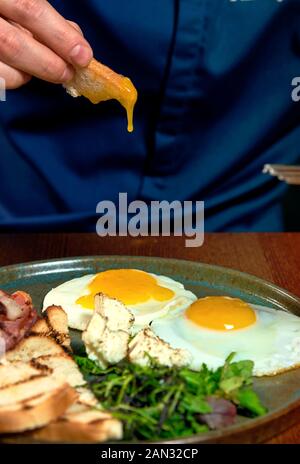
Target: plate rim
[228, 270]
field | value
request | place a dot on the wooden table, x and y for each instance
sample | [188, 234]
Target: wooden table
[275, 257]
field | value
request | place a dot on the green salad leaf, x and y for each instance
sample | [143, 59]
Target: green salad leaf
[247, 399]
[156, 402]
[234, 375]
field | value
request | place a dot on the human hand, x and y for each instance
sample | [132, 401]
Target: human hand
[35, 40]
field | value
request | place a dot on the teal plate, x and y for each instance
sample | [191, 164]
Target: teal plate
[281, 393]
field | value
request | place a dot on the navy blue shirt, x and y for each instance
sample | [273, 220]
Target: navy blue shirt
[214, 81]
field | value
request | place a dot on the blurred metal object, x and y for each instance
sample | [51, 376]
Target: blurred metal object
[285, 173]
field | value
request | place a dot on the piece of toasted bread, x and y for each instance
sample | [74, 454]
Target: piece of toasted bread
[81, 424]
[41, 328]
[63, 367]
[99, 83]
[54, 325]
[47, 359]
[57, 320]
[33, 347]
[32, 400]
[12, 373]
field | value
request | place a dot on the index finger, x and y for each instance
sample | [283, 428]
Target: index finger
[47, 25]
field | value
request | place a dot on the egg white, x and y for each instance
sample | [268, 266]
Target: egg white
[272, 342]
[66, 295]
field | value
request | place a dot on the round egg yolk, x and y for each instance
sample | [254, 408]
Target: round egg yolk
[130, 286]
[221, 313]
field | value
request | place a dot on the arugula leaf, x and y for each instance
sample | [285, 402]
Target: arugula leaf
[242, 369]
[87, 366]
[248, 400]
[194, 404]
[234, 375]
[159, 402]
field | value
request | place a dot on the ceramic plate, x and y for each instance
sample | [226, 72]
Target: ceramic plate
[281, 394]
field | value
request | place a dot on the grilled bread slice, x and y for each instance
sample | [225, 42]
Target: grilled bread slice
[44, 352]
[32, 399]
[54, 325]
[84, 421]
[62, 367]
[12, 373]
[34, 346]
[81, 424]
[99, 83]
[49, 337]
[41, 328]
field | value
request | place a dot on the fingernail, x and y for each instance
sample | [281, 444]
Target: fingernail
[81, 55]
[67, 75]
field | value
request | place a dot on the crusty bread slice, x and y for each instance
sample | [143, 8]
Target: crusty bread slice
[33, 403]
[54, 325]
[48, 363]
[63, 367]
[81, 424]
[33, 347]
[57, 320]
[12, 373]
[99, 83]
[41, 328]
[86, 397]
[23, 391]
[44, 352]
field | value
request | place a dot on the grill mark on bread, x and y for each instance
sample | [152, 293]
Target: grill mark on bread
[34, 397]
[28, 379]
[97, 421]
[61, 339]
[42, 367]
[60, 336]
[55, 336]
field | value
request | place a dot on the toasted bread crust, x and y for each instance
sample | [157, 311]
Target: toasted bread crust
[13, 373]
[38, 412]
[40, 328]
[99, 83]
[57, 321]
[33, 347]
[45, 394]
[54, 325]
[73, 431]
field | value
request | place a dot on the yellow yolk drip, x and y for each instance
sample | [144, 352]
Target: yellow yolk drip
[221, 313]
[99, 83]
[127, 285]
[128, 100]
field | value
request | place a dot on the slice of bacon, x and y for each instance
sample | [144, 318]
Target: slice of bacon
[17, 316]
[9, 307]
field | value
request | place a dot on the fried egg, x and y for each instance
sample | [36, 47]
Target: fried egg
[213, 327]
[147, 295]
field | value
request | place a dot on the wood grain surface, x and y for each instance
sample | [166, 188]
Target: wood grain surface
[274, 257]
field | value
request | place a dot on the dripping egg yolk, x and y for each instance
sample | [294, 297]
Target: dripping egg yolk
[130, 286]
[105, 84]
[221, 313]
